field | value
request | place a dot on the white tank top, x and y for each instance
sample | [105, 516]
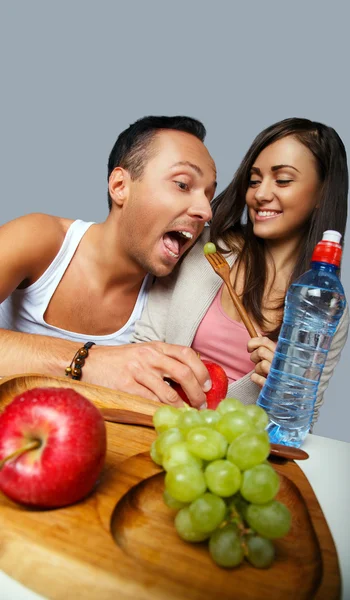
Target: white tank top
[24, 309]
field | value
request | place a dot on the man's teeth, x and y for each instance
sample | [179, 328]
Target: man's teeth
[267, 213]
[173, 254]
[186, 234]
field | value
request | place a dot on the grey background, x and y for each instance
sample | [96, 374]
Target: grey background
[74, 74]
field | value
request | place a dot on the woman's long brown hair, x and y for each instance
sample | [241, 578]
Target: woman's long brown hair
[229, 208]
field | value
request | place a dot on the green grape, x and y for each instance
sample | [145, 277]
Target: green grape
[189, 419]
[229, 405]
[249, 449]
[261, 552]
[179, 454]
[207, 512]
[165, 417]
[186, 529]
[257, 415]
[155, 456]
[271, 520]
[185, 483]
[206, 443]
[223, 478]
[166, 439]
[232, 424]
[225, 547]
[209, 248]
[260, 484]
[209, 417]
[171, 502]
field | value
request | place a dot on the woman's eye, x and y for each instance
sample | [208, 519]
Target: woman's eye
[283, 181]
[253, 182]
[182, 185]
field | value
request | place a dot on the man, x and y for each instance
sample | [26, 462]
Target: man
[64, 283]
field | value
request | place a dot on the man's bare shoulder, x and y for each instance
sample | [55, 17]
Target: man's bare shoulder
[28, 244]
[46, 230]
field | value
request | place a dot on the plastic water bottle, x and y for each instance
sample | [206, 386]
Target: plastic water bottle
[314, 304]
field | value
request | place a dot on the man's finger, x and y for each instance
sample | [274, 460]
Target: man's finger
[183, 374]
[189, 358]
[159, 388]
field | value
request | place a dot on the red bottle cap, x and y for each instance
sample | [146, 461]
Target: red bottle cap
[328, 250]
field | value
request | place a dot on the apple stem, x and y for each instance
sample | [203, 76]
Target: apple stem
[30, 446]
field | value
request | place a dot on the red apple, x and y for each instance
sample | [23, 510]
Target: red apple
[71, 437]
[218, 389]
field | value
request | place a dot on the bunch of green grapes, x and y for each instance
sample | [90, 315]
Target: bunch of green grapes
[219, 482]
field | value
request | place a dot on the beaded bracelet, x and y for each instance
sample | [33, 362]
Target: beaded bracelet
[75, 367]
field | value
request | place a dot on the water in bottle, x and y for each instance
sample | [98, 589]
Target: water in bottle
[313, 307]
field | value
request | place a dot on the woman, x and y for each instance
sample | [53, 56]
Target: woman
[291, 186]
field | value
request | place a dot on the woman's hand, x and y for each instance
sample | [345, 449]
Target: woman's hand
[262, 350]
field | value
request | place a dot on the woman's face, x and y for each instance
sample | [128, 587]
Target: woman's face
[283, 190]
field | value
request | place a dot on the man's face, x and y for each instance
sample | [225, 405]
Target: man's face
[166, 208]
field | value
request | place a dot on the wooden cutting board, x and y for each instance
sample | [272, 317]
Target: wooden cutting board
[120, 542]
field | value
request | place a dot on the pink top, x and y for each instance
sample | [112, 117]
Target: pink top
[223, 340]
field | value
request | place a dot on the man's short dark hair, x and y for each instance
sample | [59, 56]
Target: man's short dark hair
[132, 149]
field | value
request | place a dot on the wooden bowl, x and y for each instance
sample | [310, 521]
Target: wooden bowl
[120, 542]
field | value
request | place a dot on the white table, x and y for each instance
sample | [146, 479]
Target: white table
[328, 471]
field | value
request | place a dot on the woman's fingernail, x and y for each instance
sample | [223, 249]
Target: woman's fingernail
[207, 385]
[203, 406]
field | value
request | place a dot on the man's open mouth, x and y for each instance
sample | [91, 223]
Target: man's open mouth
[175, 241]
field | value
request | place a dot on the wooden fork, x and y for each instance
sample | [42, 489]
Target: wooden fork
[222, 268]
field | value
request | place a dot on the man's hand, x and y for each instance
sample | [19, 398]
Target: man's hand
[140, 369]
[262, 350]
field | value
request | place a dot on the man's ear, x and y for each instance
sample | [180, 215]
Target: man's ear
[119, 185]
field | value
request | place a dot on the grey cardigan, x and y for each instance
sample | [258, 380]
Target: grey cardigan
[178, 303]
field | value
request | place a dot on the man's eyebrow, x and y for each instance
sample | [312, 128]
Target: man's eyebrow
[196, 168]
[187, 163]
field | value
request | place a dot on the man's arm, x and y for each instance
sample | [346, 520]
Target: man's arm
[30, 353]
[134, 368]
[28, 245]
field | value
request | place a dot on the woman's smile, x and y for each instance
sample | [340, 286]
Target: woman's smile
[264, 215]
